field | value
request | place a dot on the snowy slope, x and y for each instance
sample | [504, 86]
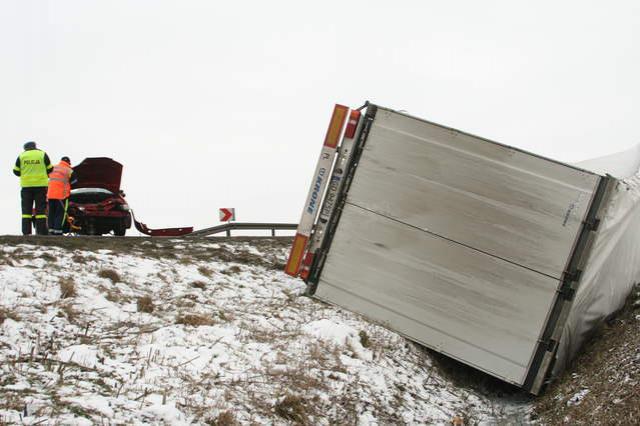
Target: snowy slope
[226, 337]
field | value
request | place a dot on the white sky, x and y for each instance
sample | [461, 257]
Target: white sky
[225, 104]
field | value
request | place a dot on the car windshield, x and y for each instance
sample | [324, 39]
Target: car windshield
[89, 195]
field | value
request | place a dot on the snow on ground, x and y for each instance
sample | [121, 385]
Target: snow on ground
[202, 331]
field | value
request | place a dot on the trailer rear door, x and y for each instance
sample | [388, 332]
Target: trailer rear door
[460, 243]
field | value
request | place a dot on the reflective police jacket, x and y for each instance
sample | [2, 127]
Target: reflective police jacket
[33, 167]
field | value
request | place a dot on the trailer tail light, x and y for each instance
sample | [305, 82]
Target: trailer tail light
[352, 124]
[306, 265]
[295, 257]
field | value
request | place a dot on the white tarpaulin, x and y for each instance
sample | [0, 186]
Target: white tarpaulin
[613, 265]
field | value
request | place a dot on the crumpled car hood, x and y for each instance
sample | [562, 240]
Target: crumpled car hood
[98, 172]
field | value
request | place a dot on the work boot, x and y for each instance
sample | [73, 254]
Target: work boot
[26, 226]
[41, 227]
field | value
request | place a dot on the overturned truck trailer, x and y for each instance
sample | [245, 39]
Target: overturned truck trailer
[472, 248]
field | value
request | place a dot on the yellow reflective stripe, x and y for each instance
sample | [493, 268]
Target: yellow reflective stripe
[41, 216]
[57, 179]
[26, 216]
[16, 168]
[66, 206]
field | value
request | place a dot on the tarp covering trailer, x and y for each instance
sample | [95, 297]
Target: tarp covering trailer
[472, 248]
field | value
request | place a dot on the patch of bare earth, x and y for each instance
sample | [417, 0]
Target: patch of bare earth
[603, 384]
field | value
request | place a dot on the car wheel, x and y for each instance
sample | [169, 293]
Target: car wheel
[120, 230]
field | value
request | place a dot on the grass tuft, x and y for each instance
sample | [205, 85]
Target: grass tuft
[7, 314]
[69, 312]
[232, 270]
[364, 339]
[145, 304]
[205, 271]
[48, 257]
[292, 408]
[67, 287]
[199, 284]
[195, 320]
[110, 274]
[226, 418]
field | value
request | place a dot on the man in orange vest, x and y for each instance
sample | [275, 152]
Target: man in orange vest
[58, 195]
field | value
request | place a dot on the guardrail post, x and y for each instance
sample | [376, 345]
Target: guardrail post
[273, 232]
[228, 232]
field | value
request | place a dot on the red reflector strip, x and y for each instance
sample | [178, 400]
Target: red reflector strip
[335, 126]
[352, 124]
[295, 256]
[308, 259]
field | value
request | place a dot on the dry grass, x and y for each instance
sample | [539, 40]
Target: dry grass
[110, 274]
[278, 266]
[113, 295]
[195, 320]
[232, 270]
[226, 316]
[6, 259]
[69, 312]
[205, 271]
[67, 287]
[364, 339]
[199, 284]
[292, 408]
[608, 369]
[48, 257]
[145, 304]
[226, 418]
[5, 314]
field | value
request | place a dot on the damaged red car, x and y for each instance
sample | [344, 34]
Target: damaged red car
[97, 205]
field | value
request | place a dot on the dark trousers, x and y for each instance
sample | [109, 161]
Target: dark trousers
[37, 195]
[57, 216]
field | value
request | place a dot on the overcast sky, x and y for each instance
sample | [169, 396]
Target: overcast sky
[225, 104]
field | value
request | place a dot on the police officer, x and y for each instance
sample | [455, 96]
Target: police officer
[60, 180]
[33, 167]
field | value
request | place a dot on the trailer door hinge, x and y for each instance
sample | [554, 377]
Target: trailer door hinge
[551, 345]
[592, 225]
[573, 275]
[567, 292]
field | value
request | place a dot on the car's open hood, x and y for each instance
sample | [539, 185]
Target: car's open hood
[100, 172]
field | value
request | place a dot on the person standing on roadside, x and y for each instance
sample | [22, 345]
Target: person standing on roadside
[33, 167]
[60, 180]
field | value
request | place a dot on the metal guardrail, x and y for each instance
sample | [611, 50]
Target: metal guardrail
[228, 227]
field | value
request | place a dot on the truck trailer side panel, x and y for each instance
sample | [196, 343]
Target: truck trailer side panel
[457, 242]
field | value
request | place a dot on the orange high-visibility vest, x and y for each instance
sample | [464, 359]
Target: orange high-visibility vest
[59, 186]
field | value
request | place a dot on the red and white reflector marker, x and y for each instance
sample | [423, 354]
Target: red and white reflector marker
[352, 124]
[318, 185]
[227, 215]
